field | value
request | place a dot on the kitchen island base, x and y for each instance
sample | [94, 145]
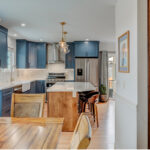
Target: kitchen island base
[64, 104]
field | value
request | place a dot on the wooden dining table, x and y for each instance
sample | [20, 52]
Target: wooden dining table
[30, 133]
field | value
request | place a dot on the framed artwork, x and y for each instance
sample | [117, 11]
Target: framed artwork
[124, 53]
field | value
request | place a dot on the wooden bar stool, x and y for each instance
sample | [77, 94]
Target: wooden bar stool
[93, 107]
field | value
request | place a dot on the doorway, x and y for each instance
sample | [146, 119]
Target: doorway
[111, 74]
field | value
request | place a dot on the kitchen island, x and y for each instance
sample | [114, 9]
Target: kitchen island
[63, 101]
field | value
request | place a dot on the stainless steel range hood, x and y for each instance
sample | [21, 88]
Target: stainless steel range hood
[55, 54]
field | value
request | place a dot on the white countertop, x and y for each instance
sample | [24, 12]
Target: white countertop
[71, 86]
[15, 83]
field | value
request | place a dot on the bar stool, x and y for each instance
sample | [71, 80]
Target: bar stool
[83, 99]
[90, 99]
[93, 107]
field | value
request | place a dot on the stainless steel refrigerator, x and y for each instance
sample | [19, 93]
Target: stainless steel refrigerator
[86, 70]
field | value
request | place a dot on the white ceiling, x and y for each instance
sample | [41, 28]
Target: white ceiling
[92, 19]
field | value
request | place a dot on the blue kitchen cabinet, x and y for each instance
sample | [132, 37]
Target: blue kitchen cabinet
[22, 54]
[70, 59]
[5, 102]
[86, 49]
[40, 86]
[33, 87]
[81, 49]
[32, 54]
[93, 49]
[3, 47]
[41, 55]
[0, 103]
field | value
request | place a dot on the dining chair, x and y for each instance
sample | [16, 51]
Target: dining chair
[27, 105]
[82, 133]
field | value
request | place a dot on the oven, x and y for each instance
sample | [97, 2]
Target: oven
[53, 78]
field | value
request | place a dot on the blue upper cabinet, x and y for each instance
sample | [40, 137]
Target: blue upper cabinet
[41, 55]
[3, 47]
[87, 49]
[81, 49]
[31, 54]
[22, 54]
[70, 59]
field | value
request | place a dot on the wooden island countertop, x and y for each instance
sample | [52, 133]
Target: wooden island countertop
[63, 101]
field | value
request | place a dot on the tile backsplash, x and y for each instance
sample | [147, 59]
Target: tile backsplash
[25, 74]
[29, 74]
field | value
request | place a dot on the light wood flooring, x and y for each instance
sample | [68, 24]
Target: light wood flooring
[102, 137]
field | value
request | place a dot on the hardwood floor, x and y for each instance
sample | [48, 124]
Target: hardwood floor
[102, 137]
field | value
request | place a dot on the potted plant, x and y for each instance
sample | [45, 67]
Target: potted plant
[103, 93]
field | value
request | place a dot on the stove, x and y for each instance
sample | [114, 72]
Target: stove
[55, 77]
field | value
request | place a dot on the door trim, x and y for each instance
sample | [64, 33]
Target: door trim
[148, 17]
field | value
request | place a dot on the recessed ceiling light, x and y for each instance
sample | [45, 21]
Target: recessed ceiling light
[87, 39]
[41, 40]
[23, 24]
[15, 35]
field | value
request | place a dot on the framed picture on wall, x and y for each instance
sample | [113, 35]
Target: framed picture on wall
[124, 53]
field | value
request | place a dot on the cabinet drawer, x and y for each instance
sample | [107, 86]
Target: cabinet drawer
[6, 111]
[7, 91]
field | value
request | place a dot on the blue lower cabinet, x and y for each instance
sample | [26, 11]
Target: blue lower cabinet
[0, 103]
[5, 102]
[37, 87]
[33, 87]
[40, 86]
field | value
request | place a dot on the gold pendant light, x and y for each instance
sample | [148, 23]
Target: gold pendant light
[63, 45]
[66, 50]
[62, 42]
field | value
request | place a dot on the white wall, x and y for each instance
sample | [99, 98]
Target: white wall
[142, 108]
[131, 97]
[126, 94]
[107, 46]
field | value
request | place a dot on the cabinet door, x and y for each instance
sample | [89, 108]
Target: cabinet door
[3, 49]
[81, 49]
[70, 60]
[32, 54]
[93, 49]
[33, 87]
[0, 103]
[6, 105]
[41, 55]
[21, 54]
[40, 87]
[6, 102]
